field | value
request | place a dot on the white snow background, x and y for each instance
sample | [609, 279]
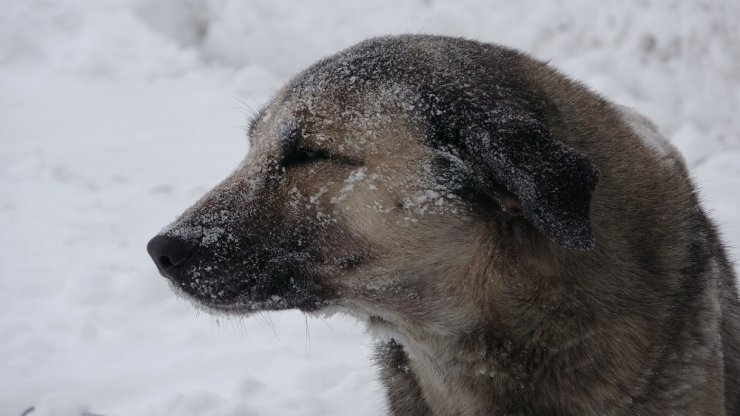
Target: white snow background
[116, 115]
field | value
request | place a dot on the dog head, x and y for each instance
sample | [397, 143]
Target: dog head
[377, 179]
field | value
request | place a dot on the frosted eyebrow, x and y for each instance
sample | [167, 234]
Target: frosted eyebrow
[294, 145]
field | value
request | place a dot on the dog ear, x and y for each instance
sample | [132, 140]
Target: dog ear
[552, 182]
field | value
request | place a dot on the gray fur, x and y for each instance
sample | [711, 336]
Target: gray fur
[519, 242]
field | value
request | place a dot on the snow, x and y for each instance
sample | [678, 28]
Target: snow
[117, 115]
[357, 175]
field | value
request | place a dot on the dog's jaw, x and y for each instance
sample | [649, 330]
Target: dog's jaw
[246, 307]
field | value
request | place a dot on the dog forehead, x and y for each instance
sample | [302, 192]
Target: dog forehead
[440, 86]
[383, 60]
[355, 86]
[352, 122]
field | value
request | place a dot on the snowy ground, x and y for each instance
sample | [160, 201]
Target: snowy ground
[116, 115]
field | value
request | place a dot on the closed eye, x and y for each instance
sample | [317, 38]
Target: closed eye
[299, 157]
[302, 157]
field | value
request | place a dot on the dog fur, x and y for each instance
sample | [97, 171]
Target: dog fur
[522, 245]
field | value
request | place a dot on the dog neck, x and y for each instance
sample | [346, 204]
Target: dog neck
[481, 360]
[454, 371]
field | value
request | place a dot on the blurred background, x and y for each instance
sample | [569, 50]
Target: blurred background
[116, 115]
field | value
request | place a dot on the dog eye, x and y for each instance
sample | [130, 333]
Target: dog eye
[299, 157]
[303, 157]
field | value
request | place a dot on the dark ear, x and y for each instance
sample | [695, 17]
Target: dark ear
[552, 181]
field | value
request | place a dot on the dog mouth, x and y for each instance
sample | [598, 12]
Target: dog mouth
[306, 301]
[265, 280]
[242, 292]
[246, 307]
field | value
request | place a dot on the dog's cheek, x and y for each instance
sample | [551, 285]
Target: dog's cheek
[362, 205]
[383, 207]
[327, 204]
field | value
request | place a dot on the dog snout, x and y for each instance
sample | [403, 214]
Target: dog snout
[169, 254]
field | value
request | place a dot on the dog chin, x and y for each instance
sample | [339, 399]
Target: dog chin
[245, 307]
[211, 307]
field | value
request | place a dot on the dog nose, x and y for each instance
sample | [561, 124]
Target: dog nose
[169, 254]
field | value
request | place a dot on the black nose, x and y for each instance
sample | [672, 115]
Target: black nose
[169, 254]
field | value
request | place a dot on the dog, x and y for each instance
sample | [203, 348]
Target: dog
[521, 245]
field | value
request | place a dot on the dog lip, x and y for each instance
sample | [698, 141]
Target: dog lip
[243, 308]
[307, 300]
